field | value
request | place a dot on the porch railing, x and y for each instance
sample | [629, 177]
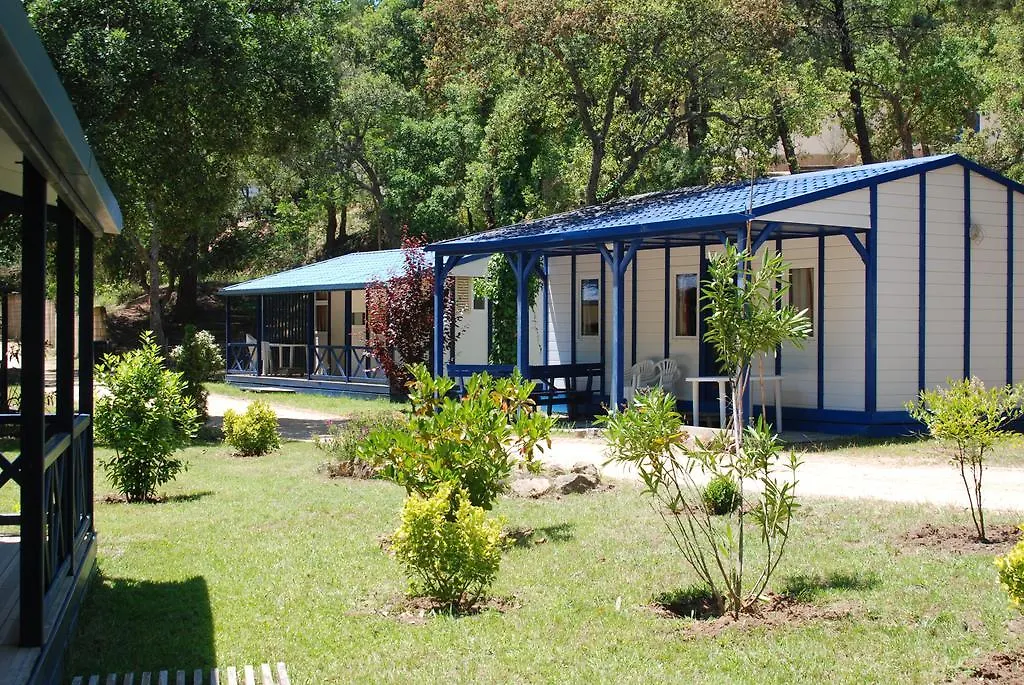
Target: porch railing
[67, 475]
[351, 362]
[241, 358]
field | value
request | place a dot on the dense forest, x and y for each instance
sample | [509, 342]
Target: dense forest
[242, 137]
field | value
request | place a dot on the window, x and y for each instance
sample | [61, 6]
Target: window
[801, 291]
[358, 318]
[479, 301]
[686, 305]
[590, 305]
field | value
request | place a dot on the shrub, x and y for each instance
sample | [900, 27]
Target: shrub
[198, 358]
[146, 417]
[969, 419]
[472, 443]
[747, 316]
[452, 551]
[253, 433]
[721, 495]
[1011, 574]
[345, 439]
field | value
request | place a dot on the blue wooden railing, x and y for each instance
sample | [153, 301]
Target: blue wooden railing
[338, 362]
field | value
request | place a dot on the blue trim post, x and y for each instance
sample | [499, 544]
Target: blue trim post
[259, 338]
[778, 305]
[522, 267]
[86, 353]
[967, 272]
[819, 323]
[572, 309]
[632, 340]
[922, 280]
[346, 340]
[871, 309]
[33, 408]
[602, 327]
[490, 331]
[668, 302]
[310, 332]
[545, 302]
[438, 342]
[1009, 286]
[618, 327]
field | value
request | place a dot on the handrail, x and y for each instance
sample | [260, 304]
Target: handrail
[54, 448]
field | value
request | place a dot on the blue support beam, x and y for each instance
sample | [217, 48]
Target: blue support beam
[1009, 286]
[967, 273]
[922, 279]
[546, 302]
[819, 322]
[618, 260]
[523, 266]
[871, 309]
[438, 347]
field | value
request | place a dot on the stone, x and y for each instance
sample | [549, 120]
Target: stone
[531, 487]
[557, 470]
[587, 469]
[575, 483]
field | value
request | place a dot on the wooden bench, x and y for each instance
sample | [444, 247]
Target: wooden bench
[232, 676]
[556, 383]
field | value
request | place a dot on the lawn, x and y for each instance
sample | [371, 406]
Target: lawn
[308, 401]
[910, 450]
[265, 559]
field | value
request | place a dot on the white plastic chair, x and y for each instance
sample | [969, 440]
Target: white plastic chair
[668, 373]
[641, 375]
[265, 353]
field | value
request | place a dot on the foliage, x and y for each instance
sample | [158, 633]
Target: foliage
[970, 420]
[145, 416]
[474, 442]
[1011, 573]
[198, 359]
[449, 545]
[254, 432]
[721, 495]
[400, 315]
[345, 441]
[499, 286]
[746, 317]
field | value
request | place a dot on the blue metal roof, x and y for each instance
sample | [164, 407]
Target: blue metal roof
[348, 272]
[698, 209]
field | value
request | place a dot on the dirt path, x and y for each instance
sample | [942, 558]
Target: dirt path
[822, 474]
[295, 424]
[848, 478]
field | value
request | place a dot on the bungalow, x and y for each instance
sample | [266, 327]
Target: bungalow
[50, 179]
[908, 270]
[305, 328]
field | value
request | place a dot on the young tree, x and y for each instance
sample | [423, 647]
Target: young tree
[969, 420]
[747, 317]
[400, 315]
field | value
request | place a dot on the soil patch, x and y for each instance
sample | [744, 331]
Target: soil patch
[961, 539]
[419, 610]
[996, 668]
[775, 611]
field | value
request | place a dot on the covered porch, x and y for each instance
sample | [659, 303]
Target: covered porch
[305, 329]
[50, 185]
[633, 246]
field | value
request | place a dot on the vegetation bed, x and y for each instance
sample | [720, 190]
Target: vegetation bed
[269, 559]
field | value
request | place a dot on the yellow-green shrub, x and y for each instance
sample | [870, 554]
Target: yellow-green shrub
[1011, 574]
[253, 433]
[454, 558]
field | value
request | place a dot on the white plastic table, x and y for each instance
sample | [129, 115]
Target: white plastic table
[722, 381]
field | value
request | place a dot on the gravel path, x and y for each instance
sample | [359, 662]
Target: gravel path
[822, 475]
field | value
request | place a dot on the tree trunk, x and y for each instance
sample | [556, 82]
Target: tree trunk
[849, 63]
[902, 125]
[343, 224]
[785, 137]
[594, 177]
[188, 283]
[331, 240]
[156, 319]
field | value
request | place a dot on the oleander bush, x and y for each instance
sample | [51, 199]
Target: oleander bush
[198, 358]
[472, 443]
[254, 432]
[145, 417]
[451, 551]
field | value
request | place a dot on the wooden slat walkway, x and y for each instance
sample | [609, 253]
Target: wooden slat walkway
[277, 675]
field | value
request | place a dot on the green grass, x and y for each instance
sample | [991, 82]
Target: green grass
[253, 560]
[308, 401]
[910, 449]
